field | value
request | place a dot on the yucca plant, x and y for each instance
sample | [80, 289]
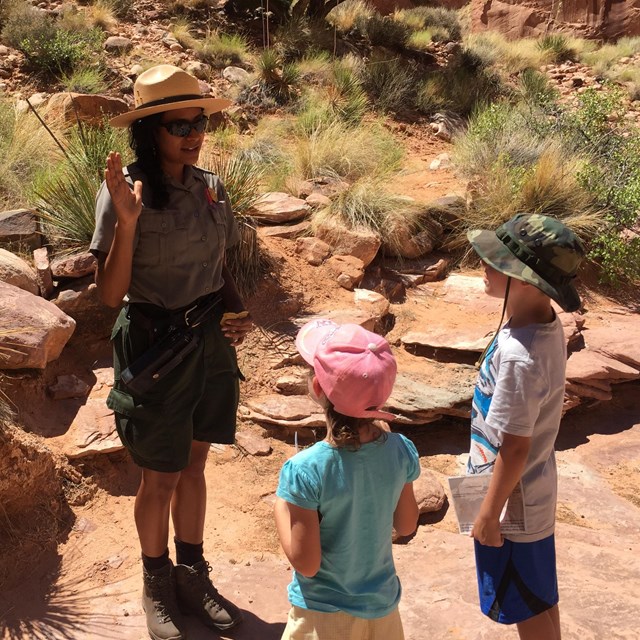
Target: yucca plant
[241, 178]
[556, 47]
[281, 81]
[65, 196]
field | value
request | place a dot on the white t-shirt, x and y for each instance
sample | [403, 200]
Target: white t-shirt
[520, 390]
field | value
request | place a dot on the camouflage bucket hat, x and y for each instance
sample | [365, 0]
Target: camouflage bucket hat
[535, 249]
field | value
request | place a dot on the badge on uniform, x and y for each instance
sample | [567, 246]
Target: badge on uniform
[212, 196]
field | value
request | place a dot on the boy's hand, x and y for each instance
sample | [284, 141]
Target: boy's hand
[235, 326]
[486, 531]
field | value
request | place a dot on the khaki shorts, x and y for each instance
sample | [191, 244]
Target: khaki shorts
[304, 624]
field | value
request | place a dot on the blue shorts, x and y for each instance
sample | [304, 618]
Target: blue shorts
[518, 580]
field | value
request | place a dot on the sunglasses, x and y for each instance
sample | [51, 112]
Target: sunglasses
[182, 128]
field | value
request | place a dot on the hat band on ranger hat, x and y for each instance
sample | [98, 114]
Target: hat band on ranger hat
[169, 100]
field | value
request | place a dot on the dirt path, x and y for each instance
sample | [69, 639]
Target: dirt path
[90, 588]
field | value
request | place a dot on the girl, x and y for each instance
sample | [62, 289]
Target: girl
[338, 500]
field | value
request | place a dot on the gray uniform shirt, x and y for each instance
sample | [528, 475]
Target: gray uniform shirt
[178, 251]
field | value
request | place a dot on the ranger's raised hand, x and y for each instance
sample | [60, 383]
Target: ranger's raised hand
[127, 202]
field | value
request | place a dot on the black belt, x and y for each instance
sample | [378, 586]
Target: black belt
[152, 317]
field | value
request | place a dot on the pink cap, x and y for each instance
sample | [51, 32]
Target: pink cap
[354, 367]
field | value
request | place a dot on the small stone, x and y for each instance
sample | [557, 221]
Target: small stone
[68, 386]
[252, 444]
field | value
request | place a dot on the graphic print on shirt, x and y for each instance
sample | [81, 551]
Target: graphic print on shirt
[484, 447]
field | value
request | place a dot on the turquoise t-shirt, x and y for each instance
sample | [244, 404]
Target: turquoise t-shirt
[355, 493]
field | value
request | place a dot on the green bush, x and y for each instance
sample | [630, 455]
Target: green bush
[84, 80]
[383, 31]
[48, 47]
[556, 47]
[461, 88]
[366, 204]
[581, 165]
[221, 49]
[280, 80]
[390, 83]
[443, 22]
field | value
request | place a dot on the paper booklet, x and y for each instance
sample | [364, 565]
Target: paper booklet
[468, 492]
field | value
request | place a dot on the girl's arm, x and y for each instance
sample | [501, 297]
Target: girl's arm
[405, 517]
[299, 532]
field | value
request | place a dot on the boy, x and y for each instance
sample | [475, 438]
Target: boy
[339, 499]
[517, 405]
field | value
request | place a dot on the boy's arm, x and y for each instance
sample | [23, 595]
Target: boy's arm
[405, 517]
[507, 471]
[299, 532]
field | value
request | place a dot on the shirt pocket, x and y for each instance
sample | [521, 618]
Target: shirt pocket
[219, 217]
[164, 236]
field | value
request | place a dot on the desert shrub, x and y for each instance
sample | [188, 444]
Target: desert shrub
[121, 9]
[25, 149]
[279, 80]
[556, 47]
[366, 204]
[422, 40]
[64, 195]
[221, 49]
[579, 165]
[301, 37]
[346, 96]
[383, 31]
[345, 15]
[336, 149]
[390, 83]
[536, 90]
[443, 22]
[48, 47]
[604, 58]
[516, 55]
[182, 32]
[101, 15]
[84, 80]
[241, 178]
[315, 66]
[460, 88]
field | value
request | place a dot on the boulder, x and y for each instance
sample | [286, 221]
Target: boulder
[293, 385]
[33, 331]
[348, 270]
[14, 270]
[200, 70]
[289, 231]
[74, 266]
[471, 338]
[360, 243]
[81, 302]
[317, 200]
[407, 244]
[117, 45]
[19, 230]
[254, 445]
[429, 492]
[68, 386]
[313, 250]
[277, 207]
[89, 108]
[371, 301]
[285, 411]
[236, 75]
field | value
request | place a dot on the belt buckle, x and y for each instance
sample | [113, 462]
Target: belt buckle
[187, 313]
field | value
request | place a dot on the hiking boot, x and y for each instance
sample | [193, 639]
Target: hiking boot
[164, 620]
[197, 595]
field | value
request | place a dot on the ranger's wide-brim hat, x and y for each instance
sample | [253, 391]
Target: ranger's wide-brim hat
[536, 249]
[164, 88]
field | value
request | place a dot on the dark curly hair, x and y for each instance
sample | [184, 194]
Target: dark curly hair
[142, 141]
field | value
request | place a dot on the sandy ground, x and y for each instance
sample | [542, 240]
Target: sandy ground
[90, 588]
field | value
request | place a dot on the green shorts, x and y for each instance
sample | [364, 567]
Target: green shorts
[197, 400]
